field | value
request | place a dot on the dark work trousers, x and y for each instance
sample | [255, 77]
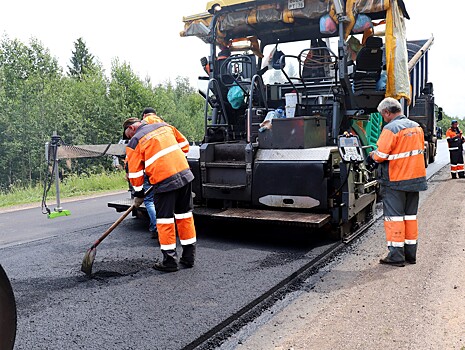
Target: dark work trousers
[456, 162]
[400, 222]
[174, 213]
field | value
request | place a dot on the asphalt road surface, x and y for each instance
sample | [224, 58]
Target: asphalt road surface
[127, 304]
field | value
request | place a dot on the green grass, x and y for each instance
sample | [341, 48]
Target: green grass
[71, 186]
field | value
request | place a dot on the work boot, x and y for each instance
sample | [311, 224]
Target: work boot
[395, 257]
[386, 261]
[154, 234]
[410, 253]
[188, 255]
[169, 263]
[454, 175]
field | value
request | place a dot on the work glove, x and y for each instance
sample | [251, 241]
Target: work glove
[370, 163]
[138, 201]
[203, 61]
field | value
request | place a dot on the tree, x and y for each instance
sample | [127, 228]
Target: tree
[83, 106]
[82, 62]
[26, 73]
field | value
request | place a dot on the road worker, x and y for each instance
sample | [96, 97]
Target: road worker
[149, 115]
[400, 150]
[222, 55]
[148, 198]
[455, 140]
[158, 150]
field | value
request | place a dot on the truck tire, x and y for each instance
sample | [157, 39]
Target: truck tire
[7, 313]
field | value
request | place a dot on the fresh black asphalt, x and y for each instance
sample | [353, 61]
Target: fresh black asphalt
[127, 304]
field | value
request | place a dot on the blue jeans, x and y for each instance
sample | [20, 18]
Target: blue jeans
[150, 206]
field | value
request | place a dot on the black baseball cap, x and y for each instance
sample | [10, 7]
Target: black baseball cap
[148, 110]
[126, 124]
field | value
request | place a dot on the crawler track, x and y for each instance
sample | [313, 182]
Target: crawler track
[216, 335]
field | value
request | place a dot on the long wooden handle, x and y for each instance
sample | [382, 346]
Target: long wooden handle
[117, 222]
[112, 227]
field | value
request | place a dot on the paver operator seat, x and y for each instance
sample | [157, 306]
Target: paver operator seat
[369, 64]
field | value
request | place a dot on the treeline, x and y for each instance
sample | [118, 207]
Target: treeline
[81, 103]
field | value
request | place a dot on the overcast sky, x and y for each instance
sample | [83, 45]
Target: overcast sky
[145, 34]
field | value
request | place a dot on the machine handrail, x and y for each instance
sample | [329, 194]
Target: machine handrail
[301, 65]
[256, 84]
[213, 84]
[244, 59]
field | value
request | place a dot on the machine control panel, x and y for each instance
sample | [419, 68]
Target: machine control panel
[350, 148]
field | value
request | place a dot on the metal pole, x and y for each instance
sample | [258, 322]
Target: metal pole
[57, 183]
[55, 140]
[420, 53]
[58, 211]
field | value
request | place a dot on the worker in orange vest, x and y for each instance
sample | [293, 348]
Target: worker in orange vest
[159, 150]
[455, 140]
[400, 155]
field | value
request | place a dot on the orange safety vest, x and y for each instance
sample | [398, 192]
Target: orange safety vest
[401, 154]
[152, 118]
[159, 150]
[454, 139]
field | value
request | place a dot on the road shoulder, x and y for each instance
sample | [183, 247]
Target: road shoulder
[356, 303]
[64, 200]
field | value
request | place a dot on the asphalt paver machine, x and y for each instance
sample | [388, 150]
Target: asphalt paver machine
[306, 168]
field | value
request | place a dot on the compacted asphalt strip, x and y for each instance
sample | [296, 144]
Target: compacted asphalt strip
[127, 304]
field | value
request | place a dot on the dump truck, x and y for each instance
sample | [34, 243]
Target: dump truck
[287, 130]
[423, 109]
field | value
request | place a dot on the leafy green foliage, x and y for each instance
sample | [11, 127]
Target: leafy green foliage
[83, 106]
[82, 62]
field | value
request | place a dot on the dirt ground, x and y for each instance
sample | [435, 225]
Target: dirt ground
[356, 303]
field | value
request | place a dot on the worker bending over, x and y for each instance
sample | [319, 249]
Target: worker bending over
[402, 175]
[455, 140]
[159, 149]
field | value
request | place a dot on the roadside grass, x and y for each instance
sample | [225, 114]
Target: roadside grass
[71, 186]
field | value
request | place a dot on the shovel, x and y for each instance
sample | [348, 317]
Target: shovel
[89, 257]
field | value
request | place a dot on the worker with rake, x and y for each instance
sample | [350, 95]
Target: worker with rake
[158, 150]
